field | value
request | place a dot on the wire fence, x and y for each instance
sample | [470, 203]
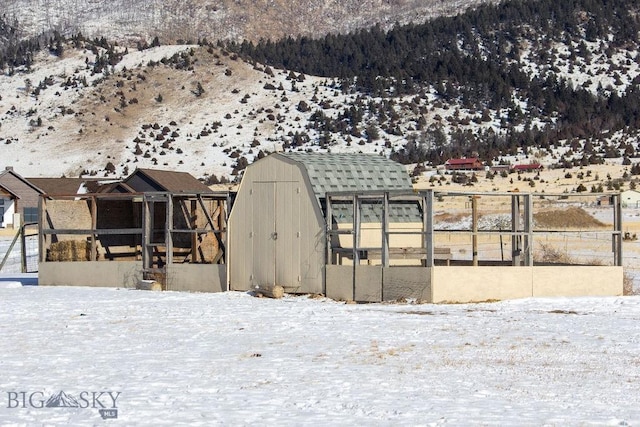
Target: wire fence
[19, 253]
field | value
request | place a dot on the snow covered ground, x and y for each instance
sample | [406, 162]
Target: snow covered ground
[229, 358]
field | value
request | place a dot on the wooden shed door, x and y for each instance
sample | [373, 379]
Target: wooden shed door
[276, 233]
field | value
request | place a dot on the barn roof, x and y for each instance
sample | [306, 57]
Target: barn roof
[9, 171]
[332, 172]
[67, 186]
[352, 172]
[528, 167]
[462, 161]
[171, 181]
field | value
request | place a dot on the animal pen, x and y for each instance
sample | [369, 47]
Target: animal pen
[175, 239]
[473, 247]
[370, 246]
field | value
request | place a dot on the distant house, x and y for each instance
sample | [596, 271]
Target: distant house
[630, 199]
[531, 167]
[464, 164]
[19, 199]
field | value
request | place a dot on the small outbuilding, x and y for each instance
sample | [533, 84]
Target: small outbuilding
[277, 228]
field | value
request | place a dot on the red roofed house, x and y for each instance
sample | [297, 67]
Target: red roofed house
[470, 164]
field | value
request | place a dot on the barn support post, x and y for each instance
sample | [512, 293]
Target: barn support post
[474, 229]
[193, 223]
[427, 227]
[528, 229]
[168, 234]
[385, 229]
[617, 230]
[516, 247]
[356, 229]
[356, 239]
[94, 226]
[42, 211]
[328, 230]
[147, 249]
[227, 211]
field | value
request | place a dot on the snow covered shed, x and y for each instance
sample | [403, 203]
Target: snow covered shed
[277, 229]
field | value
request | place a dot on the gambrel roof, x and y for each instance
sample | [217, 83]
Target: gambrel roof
[352, 172]
[334, 172]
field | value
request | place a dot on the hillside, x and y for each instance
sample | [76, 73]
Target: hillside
[172, 20]
[564, 95]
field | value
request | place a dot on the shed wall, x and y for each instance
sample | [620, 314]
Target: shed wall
[90, 273]
[275, 197]
[471, 284]
[197, 277]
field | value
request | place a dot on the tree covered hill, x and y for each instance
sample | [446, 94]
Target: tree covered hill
[525, 61]
[546, 81]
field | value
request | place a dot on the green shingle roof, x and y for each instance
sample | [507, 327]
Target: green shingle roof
[330, 172]
[352, 172]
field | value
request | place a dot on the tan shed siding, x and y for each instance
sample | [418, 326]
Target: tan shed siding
[301, 265]
[239, 250]
[289, 234]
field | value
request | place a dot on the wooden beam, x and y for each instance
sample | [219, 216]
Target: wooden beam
[168, 236]
[385, 229]
[474, 229]
[221, 244]
[427, 227]
[85, 231]
[328, 232]
[193, 215]
[42, 211]
[94, 225]
[515, 228]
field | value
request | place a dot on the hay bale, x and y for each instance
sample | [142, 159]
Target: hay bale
[68, 250]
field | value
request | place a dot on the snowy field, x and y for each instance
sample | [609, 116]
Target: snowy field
[231, 359]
